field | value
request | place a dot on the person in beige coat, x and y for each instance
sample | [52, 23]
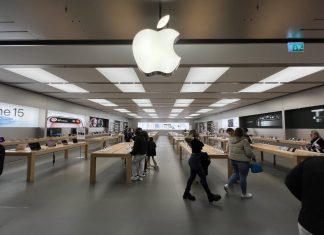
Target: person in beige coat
[240, 154]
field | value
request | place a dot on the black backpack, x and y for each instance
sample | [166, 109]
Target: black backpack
[2, 157]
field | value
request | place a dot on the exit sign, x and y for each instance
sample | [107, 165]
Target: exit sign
[295, 47]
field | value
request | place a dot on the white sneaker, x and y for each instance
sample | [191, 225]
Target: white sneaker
[246, 196]
[134, 178]
[226, 188]
[142, 175]
[140, 179]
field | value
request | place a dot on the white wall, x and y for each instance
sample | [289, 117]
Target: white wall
[312, 97]
[18, 96]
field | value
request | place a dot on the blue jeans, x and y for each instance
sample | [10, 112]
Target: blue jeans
[241, 171]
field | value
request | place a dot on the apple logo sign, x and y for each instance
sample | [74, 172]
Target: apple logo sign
[153, 50]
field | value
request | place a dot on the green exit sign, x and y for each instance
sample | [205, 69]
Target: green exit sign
[295, 47]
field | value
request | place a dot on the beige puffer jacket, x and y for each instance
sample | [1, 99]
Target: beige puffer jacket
[240, 149]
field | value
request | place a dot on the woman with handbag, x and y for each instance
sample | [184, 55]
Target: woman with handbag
[196, 168]
[240, 154]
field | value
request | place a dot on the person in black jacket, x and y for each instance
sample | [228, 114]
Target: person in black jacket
[306, 183]
[2, 157]
[128, 135]
[317, 142]
[151, 152]
[246, 135]
[138, 153]
[196, 168]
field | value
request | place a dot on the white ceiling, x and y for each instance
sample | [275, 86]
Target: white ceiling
[120, 20]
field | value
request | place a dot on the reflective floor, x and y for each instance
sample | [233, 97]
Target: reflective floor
[61, 201]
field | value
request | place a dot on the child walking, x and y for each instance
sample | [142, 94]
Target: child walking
[151, 152]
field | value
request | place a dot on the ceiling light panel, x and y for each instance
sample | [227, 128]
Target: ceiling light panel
[205, 74]
[149, 110]
[204, 110]
[260, 87]
[183, 102]
[143, 102]
[122, 110]
[188, 117]
[194, 88]
[223, 102]
[138, 88]
[292, 73]
[71, 88]
[173, 114]
[103, 102]
[194, 115]
[37, 74]
[116, 75]
[176, 110]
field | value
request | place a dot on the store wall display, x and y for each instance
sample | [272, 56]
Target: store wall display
[116, 126]
[57, 119]
[98, 122]
[12, 115]
[80, 133]
[54, 132]
[230, 122]
[265, 120]
[305, 118]
[163, 125]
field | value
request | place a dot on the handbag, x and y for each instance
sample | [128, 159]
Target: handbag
[256, 167]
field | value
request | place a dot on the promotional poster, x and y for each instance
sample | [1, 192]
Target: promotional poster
[56, 119]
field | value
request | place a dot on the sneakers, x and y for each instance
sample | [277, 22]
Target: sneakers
[188, 196]
[214, 197]
[142, 175]
[136, 178]
[226, 188]
[246, 196]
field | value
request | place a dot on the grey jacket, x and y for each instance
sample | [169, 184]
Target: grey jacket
[240, 149]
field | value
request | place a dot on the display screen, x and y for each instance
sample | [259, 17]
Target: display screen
[98, 122]
[57, 119]
[305, 118]
[163, 126]
[265, 120]
[12, 115]
[230, 122]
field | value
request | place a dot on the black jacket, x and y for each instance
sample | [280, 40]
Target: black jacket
[140, 145]
[306, 183]
[2, 156]
[151, 149]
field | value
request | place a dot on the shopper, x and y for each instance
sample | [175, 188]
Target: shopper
[246, 135]
[240, 154]
[317, 142]
[151, 153]
[306, 183]
[196, 168]
[138, 152]
[128, 135]
[230, 132]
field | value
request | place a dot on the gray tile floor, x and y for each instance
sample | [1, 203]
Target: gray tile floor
[61, 201]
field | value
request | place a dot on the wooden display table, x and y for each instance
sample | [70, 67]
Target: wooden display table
[120, 150]
[280, 141]
[211, 151]
[154, 135]
[296, 156]
[204, 138]
[222, 140]
[32, 155]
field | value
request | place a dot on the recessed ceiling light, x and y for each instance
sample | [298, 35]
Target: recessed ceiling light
[71, 88]
[116, 75]
[131, 88]
[194, 87]
[143, 102]
[194, 115]
[259, 87]
[154, 117]
[173, 114]
[149, 110]
[176, 110]
[223, 102]
[37, 74]
[292, 73]
[152, 114]
[202, 74]
[204, 110]
[188, 117]
[183, 102]
[103, 102]
[205, 74]
[122, 110]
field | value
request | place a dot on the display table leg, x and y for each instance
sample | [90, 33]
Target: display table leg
[66, 153]
[128, 169]
[274, 160]
[31, 168]
[86, 149]
[93, 168]
[262, 156]
[180, 152]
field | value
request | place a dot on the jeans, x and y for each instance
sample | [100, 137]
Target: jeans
[196, 168]
[241, 171]
[138, 164]
[302, 230]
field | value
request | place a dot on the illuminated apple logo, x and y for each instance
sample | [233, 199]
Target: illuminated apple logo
[153, 50]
